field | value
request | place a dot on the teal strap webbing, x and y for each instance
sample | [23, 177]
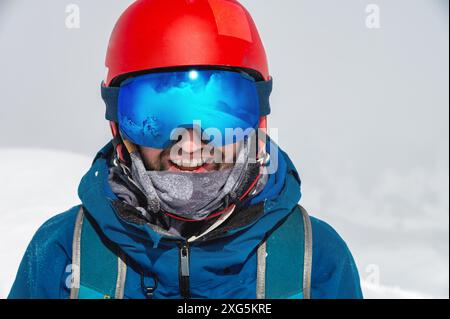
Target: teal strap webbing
[284, 260]
[99, 273]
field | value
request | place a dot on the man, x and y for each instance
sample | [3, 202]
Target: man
[190, 199]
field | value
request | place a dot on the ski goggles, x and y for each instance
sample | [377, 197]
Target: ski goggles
[150, 109]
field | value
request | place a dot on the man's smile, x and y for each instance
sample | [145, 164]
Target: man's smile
[194, 165]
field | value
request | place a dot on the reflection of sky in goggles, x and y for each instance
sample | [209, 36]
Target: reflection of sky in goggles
[152, 106]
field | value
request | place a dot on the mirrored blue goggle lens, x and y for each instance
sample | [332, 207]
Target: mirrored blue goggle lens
[223, 104]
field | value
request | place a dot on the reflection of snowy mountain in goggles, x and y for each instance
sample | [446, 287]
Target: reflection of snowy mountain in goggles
[151, 106]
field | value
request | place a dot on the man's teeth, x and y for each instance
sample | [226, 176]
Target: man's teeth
[189, 163]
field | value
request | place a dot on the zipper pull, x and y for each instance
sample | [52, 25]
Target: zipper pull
[184, 271]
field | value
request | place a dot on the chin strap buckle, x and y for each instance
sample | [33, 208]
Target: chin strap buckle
[264, 160]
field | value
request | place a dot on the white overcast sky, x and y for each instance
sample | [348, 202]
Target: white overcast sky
[362, 112]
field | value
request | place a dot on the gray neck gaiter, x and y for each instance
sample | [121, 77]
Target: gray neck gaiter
[190, 195]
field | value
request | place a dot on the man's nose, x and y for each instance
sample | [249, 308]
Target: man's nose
[191, 141]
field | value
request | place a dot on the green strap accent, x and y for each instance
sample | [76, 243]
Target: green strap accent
[101, 273]
[297, 296]
[88, 293]
[98, 263]
[284, 261]
[285, 258]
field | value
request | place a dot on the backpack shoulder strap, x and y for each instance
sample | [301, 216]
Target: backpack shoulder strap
[285, 259]
[98, 270]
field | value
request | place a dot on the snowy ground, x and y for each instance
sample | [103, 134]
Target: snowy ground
[27, 202]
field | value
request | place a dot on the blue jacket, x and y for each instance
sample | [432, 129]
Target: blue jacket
[223, 267]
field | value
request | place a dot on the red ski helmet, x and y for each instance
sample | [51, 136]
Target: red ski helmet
[159, 34]
[155, 34]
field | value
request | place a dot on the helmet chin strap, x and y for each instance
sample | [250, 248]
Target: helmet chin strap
[262, 140]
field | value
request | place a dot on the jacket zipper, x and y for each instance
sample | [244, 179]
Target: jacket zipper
[184, 270]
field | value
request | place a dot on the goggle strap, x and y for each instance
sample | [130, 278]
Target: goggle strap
[110, 96]
[264, 89]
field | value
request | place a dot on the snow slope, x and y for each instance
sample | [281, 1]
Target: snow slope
[27, 202]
